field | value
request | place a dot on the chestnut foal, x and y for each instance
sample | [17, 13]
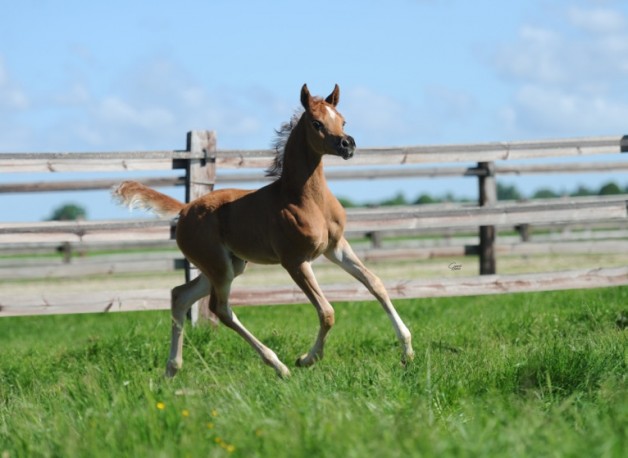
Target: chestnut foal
[291, 221]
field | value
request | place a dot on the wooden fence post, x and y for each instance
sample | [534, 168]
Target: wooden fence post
[200, 177]
[487, 197]
[524, 231]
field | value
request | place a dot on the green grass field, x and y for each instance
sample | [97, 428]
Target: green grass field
[541, 374]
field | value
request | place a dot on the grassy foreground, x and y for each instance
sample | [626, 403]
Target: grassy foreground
[541, 374]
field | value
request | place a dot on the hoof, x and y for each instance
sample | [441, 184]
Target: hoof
[306, 360]
[407, 358]
[283, 372]
[169, 373]
[171, 369]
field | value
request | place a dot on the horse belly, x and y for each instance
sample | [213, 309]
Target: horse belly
[249, 239]
[252, 249]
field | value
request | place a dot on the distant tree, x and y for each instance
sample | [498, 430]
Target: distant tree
[346, 202]
[545, 193]
[425, 199]
[399, 199]
[449, 197]
[68, 212]
[609, 189]
[583, 191]
[507, 192]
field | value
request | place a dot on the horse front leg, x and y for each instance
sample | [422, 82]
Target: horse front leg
[304, 277]
[343, 255]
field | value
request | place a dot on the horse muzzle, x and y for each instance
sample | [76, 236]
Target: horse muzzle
[346, 147]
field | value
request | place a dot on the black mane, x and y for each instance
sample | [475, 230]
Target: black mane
[279, 144]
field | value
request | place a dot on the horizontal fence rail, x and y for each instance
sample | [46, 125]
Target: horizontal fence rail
[159, 299]
[168, 261]
[480, 152]
[332, 175]
[359, 220]
[156, 160]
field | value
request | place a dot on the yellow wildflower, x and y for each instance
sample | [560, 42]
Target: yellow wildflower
[161, 405]
[185, 412]
[210, 425]
[214, 413]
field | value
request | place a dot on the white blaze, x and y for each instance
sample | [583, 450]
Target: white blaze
[332, 113]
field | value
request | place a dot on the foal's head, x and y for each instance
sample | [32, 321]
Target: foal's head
[324, 125]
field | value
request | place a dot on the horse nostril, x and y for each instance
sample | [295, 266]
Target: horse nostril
[348, 142]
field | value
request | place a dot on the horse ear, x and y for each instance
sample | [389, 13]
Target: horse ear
[334, 97]
[305, 97]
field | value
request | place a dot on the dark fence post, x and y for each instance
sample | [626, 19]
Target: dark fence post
[488, 197]
[374, 236]
[376, 239]
[524, 231]
[200, 177]
[66, 250]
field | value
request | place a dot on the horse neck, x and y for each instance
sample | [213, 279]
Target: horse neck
[302, 174]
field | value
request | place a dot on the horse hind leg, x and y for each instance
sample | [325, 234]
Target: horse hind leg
[219, 268]
[183, 297]
[238, 265]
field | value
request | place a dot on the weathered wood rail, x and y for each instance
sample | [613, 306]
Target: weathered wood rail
[159, 299]
[166, 261]
[203, 166]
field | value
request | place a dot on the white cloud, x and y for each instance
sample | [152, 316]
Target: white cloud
[163, 100]
[585, 45]
[569, 77]
[151, 106]
[597, 20]
[77, 94]
[449, 103]
[115, 111]
[373, 110]
[13, 102]
[534, 57]
[375, 118]
[570, 112]
[11, 96]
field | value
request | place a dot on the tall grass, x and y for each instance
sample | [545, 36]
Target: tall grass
[540, 374]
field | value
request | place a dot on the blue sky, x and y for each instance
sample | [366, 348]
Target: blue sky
[124, 75]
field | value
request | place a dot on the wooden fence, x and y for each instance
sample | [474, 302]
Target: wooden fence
[203, 166]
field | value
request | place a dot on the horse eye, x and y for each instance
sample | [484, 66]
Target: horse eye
[317, 125]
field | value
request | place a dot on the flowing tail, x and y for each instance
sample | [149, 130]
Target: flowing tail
[135, 195]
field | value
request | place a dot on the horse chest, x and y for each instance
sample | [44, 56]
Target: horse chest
[306, 230]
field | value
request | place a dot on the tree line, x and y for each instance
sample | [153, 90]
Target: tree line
[504, 192]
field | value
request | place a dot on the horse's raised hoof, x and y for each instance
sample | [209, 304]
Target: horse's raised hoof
[283, 372]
